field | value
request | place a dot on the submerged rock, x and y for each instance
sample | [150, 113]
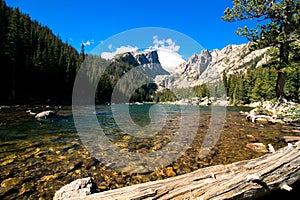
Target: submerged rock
[11, 181]
[27, 187]
[49, 177]
[77, 188]
[170, 172]
[6, 162]
[258, 147]
[251, 138]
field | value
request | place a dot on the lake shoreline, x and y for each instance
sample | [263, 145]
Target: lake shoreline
[37, 157]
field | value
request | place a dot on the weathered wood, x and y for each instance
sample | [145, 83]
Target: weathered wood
[291, 138]
[245, 179]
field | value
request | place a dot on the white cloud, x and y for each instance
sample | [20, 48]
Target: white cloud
[110, 47]
[169, 60]
[168, 44]
[88, 43]
[119, 50]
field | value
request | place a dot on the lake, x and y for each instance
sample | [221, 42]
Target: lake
[132, 144]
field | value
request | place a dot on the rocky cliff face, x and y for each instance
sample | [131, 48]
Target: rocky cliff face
[209, 66]
[146, 57]
[196, 64]
[147, 61]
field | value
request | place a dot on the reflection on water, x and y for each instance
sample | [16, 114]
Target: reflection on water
[37, 157]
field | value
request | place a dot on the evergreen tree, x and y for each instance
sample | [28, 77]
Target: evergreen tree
[11, 49]
[280, 28]
[35, 64]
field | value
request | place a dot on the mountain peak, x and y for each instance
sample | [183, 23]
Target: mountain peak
[146, 57]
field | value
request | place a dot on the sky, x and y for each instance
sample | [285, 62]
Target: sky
[93, 22]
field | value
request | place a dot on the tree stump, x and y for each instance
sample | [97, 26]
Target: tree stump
[245, 179]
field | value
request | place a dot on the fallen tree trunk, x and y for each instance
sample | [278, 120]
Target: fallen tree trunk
[245, 179]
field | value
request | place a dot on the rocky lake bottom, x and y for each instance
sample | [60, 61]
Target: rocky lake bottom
[37, 157]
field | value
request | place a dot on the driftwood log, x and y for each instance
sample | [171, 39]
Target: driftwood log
[245, 179]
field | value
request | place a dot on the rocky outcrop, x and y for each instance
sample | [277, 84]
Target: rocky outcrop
[78, 188]
[196, 64]
[149, 62]
[146, 57]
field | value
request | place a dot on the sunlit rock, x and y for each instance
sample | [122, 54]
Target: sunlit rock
[251, 138]
[46, 114]
[258, 147]
[78, 188]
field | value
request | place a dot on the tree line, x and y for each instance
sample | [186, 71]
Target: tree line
[36, 65]
[240, 88]
[259, 85]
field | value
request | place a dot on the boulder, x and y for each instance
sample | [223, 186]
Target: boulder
[78, 188]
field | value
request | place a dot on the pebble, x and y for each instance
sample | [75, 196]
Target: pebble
[170, 172]
[7, 162]
[75, 166]
[251, 138]
[6, 191]
[26, 188]
[49, 177]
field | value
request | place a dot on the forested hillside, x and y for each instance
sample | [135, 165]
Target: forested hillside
[36, 66]
[258, 85]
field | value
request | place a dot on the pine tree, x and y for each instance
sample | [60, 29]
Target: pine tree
[11, 49]
[35, 64]
[280, 28]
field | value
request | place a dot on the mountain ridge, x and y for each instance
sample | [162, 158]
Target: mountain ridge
[208, 66]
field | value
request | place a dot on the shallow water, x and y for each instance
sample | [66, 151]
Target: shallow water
[37, 157]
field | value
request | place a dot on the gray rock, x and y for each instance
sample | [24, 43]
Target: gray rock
[76, 189]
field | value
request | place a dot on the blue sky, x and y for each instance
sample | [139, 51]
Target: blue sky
[94, 21]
